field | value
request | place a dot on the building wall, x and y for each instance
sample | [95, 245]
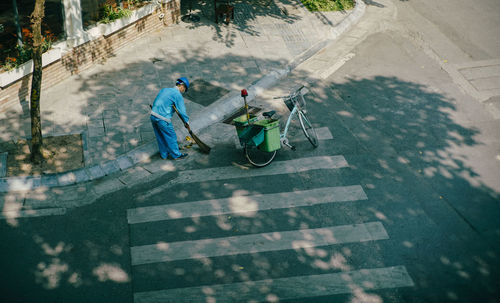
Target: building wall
[86, 55]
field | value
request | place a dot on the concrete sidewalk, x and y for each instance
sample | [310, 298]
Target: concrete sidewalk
[275, 41]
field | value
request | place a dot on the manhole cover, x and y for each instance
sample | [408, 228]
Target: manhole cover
[251, 110]
[204, 93]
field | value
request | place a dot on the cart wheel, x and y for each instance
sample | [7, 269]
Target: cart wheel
[258, 158]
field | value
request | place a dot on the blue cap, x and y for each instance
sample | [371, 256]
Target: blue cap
[183, 80]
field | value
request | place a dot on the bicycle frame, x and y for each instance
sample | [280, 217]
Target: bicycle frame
[283, 138]
[294, 111]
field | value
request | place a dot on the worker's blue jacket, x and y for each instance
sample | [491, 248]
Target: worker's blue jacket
[164, 101]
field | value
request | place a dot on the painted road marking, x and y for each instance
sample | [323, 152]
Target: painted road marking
[26, 213]
[274, 290]
[278, 168]
[323, 134]
[245, 204]
[236, 172]
[273, 241]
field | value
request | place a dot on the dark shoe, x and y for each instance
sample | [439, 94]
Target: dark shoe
[182, 156]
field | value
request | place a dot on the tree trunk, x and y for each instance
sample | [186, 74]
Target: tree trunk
[36, 83]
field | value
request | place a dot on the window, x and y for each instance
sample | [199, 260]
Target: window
[52, 24]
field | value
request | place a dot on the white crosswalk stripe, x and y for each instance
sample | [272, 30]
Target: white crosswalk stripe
[246, 204]
[297, 239]
[236, 172]
[323, 133]
[272, 290]
[277, 168]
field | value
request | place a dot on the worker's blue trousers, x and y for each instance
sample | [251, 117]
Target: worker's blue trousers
[166, 138]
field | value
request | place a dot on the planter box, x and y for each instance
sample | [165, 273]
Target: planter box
[26, 68]
[107, 29]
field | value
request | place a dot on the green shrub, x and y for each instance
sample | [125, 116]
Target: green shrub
[328, 5]
[110, 14]
[18, 55]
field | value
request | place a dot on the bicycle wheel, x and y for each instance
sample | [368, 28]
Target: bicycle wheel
[308, 129]
[258, 158]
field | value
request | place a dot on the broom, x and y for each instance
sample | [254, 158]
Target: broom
[203, 147]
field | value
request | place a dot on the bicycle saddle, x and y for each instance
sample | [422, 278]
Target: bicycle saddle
[269, 114]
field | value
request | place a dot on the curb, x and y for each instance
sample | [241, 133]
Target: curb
[218, 111]
[80, 175]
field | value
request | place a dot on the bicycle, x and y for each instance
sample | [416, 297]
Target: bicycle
[258, 137]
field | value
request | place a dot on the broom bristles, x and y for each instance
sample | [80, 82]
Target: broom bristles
[203, 147]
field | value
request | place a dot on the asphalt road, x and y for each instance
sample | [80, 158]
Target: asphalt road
[472, 26]
[400, 204]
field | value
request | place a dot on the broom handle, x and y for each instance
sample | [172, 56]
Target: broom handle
[186, 125]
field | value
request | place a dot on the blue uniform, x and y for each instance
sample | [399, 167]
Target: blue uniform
[161, 117]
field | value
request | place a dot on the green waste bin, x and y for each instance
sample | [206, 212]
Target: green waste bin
[271, 134]
[252, 135]
[241, 122]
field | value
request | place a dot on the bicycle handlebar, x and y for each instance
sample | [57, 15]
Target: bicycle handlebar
[291, 95]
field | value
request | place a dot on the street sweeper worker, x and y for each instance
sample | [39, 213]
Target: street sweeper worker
[161, 118]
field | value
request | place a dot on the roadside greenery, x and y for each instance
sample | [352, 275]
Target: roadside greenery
[15, 55]
[110, 14]
[328, 5]
[20, 54]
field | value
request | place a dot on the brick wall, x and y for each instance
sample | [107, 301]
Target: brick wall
[86, 55]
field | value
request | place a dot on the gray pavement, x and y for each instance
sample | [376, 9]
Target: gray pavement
[109, 103]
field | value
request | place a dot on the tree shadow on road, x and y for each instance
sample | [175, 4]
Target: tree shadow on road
[402, 145]
[67, 256]
[412, 126]
[410, 156]
[419, 166]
